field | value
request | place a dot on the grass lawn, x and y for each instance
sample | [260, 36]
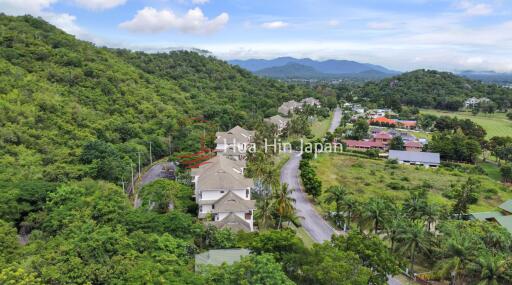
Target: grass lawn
[320, 127]
[496, 124]
[369, 178]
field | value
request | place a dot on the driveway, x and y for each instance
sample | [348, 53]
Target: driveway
[312, 222]
[336, 119]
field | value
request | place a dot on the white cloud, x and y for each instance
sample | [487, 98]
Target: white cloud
[200, 2]
[473, 9]
[150, 20]
[274, 25]
[380, 25]
[333, 23]
[99, 4]
[39, 8]
[19, 7]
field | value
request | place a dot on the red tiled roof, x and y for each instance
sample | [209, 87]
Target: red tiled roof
[364, 144]
[382, 135]
[383, 120]
[413, 144]
[408, 123]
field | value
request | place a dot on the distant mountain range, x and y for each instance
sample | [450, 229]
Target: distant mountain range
[289, 67]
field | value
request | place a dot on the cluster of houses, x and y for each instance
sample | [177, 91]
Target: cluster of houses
[222, 191]
[473, 102]
[502, 217]
[288, 108]
[413, 153]
[381, 139]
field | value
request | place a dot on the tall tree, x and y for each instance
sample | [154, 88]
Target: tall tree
[336, 195]
[283, 203]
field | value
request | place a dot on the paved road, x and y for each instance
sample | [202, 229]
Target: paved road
[155, 172]
[312, 222]
[336, 120]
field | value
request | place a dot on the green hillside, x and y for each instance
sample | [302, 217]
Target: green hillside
[431, 89]
[59, 94]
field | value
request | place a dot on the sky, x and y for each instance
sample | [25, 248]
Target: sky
[451, 35]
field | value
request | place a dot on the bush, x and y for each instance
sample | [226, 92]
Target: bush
[395, 186]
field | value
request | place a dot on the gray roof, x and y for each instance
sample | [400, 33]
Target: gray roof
[277, 119]
[236, 134]
[310, 101]
[507, 206]
[234, 223]
[231, 202]
[217, 257]
[288, 107]
[483, 216]
[221, 173]
[418, 157]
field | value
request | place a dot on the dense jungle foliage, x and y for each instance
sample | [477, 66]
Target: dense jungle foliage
[70, 110]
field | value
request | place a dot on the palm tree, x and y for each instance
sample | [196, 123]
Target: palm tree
[395, 227]
[414, 238]
[283, 203]
[375, 212]
[265, 214]
[414, 206]
[493, 269]
[459, 252]
[350, 207]
[431, 213]
[336, 195]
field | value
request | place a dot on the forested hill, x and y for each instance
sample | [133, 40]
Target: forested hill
[431, 89]
[70, 110]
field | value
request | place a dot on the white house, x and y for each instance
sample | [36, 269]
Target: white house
[234, 142]
[279, 121]
[427, 159]
[289, 107]
[224, 194]
[473, 101]
[311, 101]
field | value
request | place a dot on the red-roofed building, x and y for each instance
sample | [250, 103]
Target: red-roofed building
[364, 145]
[411, 125]
[413, 146]
[382, 137]
[383, 121]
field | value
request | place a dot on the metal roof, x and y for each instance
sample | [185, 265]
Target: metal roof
[507, 206]
[413, 156]
[506, 222]
[219, 256]
[484, 216]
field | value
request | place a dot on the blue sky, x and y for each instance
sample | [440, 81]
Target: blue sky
[399, 34]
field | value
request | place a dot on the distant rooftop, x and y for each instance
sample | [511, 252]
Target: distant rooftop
[217, 257]
[418, 157]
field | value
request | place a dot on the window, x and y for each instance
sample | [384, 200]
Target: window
[247, 193]
[201, 209]
[221, 192]
[248, 215]
[213, 206]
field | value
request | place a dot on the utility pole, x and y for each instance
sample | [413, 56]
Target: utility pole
[138, 153]
[170, 145]
[122, 183]
[150, 155]
[133, 185]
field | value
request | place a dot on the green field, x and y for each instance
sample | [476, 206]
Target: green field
[368, 178]
[495, 124]
[320, 127]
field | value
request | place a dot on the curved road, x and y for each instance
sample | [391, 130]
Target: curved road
[312, 222]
